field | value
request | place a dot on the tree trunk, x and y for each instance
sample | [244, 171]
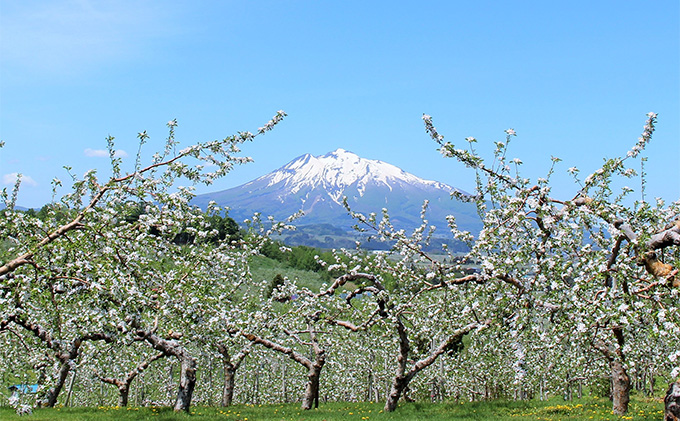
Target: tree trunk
[65, 357]
[401, 379]
[53, 393]
[231, 365]
[123, 394]
[124, 385]
[256, 386]
[399, 384]
[187, 375]
[229, 382]
[672, 403]
[284, 387]
[187, 382]
[311, 396]
[403, 376]
[369, 392]
[620, 387]
[620, 381]
[70, 389]
[170, 384]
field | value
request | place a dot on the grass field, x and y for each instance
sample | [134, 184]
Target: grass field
[555, 409]
[265, 268]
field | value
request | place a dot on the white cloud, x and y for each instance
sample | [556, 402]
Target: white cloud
[96, 153]
[10, 179]
[103, 153]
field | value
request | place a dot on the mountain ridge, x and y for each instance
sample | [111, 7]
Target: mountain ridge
[317, 185]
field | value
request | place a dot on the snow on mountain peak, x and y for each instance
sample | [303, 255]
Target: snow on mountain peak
[317, 185]
[339, 152]
[340, 170]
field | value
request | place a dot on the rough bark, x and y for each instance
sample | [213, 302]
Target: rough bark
[620, 387]
[231, 365]
[401, 379]
[64, 352]
[53, 393]
[229, 384]
[647, 257]
[620, 380]
[672, 403]
[187, 376]
[123, 385]
[404, 375]
[123, 395]
[399, 384]
[669, 236]
[311, 395]
[187, 382]
[646, 254]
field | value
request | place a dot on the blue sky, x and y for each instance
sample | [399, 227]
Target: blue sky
[574, 79]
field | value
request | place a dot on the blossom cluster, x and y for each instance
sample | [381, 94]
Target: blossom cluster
[273, 122]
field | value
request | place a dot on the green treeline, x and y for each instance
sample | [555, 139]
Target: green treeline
[299, 257]
[222, 227]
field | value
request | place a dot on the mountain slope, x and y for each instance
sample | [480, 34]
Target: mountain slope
[317, 186]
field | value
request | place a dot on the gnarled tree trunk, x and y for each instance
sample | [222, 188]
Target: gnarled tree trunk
[64, 356]
[230, 368]
[672, 402]
[123, 385]
[53, 393]
[399, 385]
[187, 381]
[403, 376]
[401, 379]
[229, 383]
[620, 387]
[311, 396]
[619, 377]
[123, 395]
[187, 375]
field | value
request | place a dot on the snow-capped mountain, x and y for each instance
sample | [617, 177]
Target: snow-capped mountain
[317, 185]
[341, 172]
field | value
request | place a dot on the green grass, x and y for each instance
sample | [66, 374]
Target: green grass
[555, 409]
[265, 268]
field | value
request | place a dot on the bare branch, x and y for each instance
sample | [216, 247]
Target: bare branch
[299, 358]
[342, 280]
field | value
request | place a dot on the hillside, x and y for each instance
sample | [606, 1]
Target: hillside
[317, 185]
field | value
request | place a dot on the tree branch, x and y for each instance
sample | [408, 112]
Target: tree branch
[342, 280]
[299, 358]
